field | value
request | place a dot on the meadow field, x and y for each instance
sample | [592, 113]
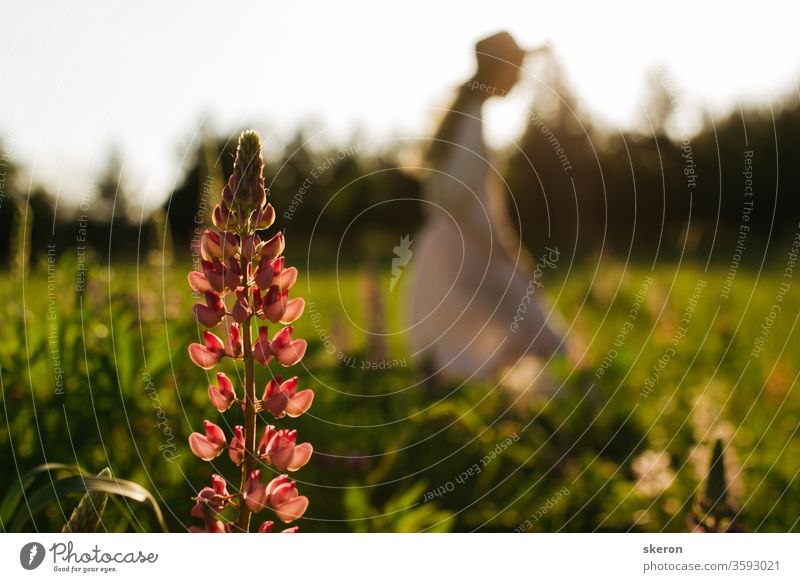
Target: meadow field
[95, 373]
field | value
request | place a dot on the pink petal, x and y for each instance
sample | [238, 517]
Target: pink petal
[275, 310]
[204, 357]
[209, 245]
[274, 246]
[213, 272]
[215, 434]
[290, 386]
[302, 453]
[277, 264]
[233, 274]
[286, 278]
[240, 311]
[276, 405]
[272, 388]
[278, 484]
[203, 447]
[269, 433]
[293, 509]
[292, 354]
[282, 339]
[225, 385]
[255, 494]
[201, 509]
[266, 527]
[249, 245]
[257, 500]
[281, 458]
[213, 342]
[218, 401]
[293, 311]
[233, 344]
[229, 245]
[263, 275]
[206, 315]
[261, 350]
[265, 217]
[300, 403]
[199, 282]
[221, 216]
[220, 485]
[236, 448]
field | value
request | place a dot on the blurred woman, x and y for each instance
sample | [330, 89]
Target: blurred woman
[474, 303]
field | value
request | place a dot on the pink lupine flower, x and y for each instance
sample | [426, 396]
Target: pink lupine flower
[255, 493]
[222, 395]
[211, 500]
[269, 432]
[251, 246]
[264, 217]
[233, 345]
[261, 349]
[212, 312]
[233, 273]
[274, 246]
[294, 309]
[286, 278]
[285, 500]
[209, 445]
[209, 354]
[221, 217]
[213, 272]
[283, 454]
[263, 273]
[199, 282]
[282, 399]
[236, 448]
[273, 304]
[286, 350]
[214, 245]
[237, 263]
[241, 309]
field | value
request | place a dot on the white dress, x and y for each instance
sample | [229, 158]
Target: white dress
[469, 272]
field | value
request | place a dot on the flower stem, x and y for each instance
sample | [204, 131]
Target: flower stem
[249, 407]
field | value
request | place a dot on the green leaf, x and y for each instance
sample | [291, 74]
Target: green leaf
[88, 514]
[63, 487]
[11, 502]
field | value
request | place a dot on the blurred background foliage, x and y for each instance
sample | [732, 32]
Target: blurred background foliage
[386, 438]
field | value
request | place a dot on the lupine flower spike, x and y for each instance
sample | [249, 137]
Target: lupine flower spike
[245, 278]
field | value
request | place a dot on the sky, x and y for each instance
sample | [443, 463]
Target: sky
[143, 77]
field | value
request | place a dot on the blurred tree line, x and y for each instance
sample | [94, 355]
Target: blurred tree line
[323, 197]
[671, 187]
[663, 190]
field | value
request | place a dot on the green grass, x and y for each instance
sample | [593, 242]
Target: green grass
[384, 440]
